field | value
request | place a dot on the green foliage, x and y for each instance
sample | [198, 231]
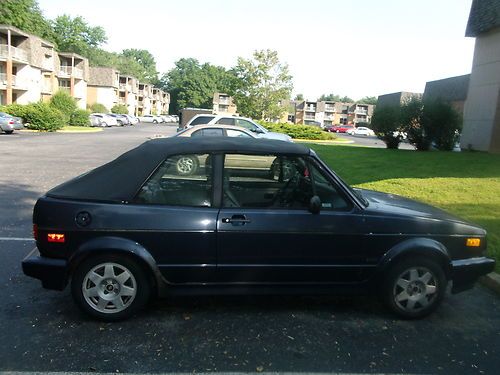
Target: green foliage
[27, 16]
[192, 84]
[76, 35]
[386, 123]
[120, 109]
[65, 103]
[411, 114]
[368, 100]
[98, 108]
[299, 97]
[298, 131]
[80, 117]
[38, 116]
[146, 60]
[335, 98]
[442, 123]
[261, 84]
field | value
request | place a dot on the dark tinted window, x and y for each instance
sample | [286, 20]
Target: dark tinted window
[215, 132]
[182, 180]
[201, 120]
[225, 121]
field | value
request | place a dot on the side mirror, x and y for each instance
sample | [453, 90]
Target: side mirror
[315, 205]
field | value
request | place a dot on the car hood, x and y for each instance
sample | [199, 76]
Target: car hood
[396, 205]
[277, 136]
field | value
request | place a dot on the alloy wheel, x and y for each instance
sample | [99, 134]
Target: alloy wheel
[415, 289]
[185, 165]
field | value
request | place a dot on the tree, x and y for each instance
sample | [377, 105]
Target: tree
[120, 109]
[75, 35]
[65, 103]
[299, 97]
[191, 84]
[27, 16]
[262, 83]
[146, 60]
[329, 98]
[368, 100]
[98, 108]
[442, 123]
[386, 122]
[411, 114]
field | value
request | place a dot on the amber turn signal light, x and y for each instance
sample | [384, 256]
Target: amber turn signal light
[55, 237]
[473, 242]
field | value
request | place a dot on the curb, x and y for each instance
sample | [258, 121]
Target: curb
[491, 281]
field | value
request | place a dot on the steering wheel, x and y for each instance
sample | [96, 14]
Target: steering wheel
[281, 196]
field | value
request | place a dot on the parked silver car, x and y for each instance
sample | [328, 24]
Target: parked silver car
[10, 123]
[102, 119]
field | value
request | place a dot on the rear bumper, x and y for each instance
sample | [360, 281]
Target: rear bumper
[51, 272]
[465, 272]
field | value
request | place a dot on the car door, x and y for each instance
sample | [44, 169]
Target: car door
[266, 233]
[178, 219]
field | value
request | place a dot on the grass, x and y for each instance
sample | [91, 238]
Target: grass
[464, 183]
[78, 129]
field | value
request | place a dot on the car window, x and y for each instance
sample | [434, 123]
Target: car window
[212, 132]
[226, 121]
[237, 133]
[276, 181]
[246, 124]
[181, 180]
[201, 120]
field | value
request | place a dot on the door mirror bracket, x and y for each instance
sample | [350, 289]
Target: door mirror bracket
[315, 205]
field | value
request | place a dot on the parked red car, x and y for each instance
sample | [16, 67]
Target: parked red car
[341, 128]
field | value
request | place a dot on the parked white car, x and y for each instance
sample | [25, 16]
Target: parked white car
[361, 131]
[152, 119]
[103, 119]
[168, 118]
[249, 124]
[133, 120]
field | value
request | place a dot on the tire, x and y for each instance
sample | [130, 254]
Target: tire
[186, 165]
[100, 290]
[414, 287]
[104, 125]
[155, 122]
[9, 131]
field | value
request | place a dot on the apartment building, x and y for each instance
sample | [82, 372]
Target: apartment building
[396, 98]
[452, 90]
[327, 113]
[127, 94]
[32, 70]
[223, 104]
[360, 113]
[103, 87]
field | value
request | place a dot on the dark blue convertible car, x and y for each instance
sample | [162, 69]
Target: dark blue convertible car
[227, 215]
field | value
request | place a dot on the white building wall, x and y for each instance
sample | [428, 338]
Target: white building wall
[131, 103]
[483, 95]
[29, 78]
[106, 96]
[80, 93]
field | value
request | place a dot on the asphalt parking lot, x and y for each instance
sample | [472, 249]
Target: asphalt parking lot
[42, 330]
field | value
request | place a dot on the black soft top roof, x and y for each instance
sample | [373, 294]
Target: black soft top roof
[120, 179]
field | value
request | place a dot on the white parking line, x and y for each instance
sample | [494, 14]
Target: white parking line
[16, 239]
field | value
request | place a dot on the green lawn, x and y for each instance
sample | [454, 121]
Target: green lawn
[464, 183]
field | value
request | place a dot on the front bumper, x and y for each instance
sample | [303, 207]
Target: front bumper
[52, 272]
[465, 272]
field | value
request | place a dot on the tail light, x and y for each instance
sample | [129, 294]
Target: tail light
[35, 232]
[55, 237]
[11, 122]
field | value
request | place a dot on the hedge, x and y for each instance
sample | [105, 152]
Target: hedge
[298, 131]
[80, 117]
[38, 116]
[121, 109]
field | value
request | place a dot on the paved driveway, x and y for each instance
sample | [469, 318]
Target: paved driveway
[42, 330]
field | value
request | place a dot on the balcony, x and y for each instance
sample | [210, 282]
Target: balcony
[307, 117]
[15, 53]
[66, 70]
[125, 87]
[329, 108]
[224, 100]
[65, 88]
[359, 111]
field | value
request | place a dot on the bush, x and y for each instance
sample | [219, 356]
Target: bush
[386, 123]
[65, 103]
[411, 116]
[80, 117]
[120, 109]
[17, 110]
[442, 123]
[298, 131]
[43, 116]
[98, 108]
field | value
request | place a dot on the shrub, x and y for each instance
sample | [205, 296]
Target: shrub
[298, 131]
[17, 110]
[442, 123]
[386, 123]
[120, 109]
[65, 103]
[411, 115]
[98, 108]
[80, 117]
[42, 116]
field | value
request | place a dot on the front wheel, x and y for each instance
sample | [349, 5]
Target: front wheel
[414, 287]
[186, 165]
[155, 122]
[9, 131]
[110, 287]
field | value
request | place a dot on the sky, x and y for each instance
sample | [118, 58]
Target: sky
[350, 47]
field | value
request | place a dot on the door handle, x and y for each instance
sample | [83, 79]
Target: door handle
[236, 220]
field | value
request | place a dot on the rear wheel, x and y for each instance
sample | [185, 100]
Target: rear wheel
[155, 122]
[414, 288]
[9, 131]
[110, 287]
[186, 165]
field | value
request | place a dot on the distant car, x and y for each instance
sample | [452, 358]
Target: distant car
[121, 119]
[257, 216]
[312, 123]
[168, 118]
[342, 128]
[175, 118]
[361, 131]
[216, 131]
[152, 119]
[10, 123]
[132, 119]
[249, 124]
[103, 119]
